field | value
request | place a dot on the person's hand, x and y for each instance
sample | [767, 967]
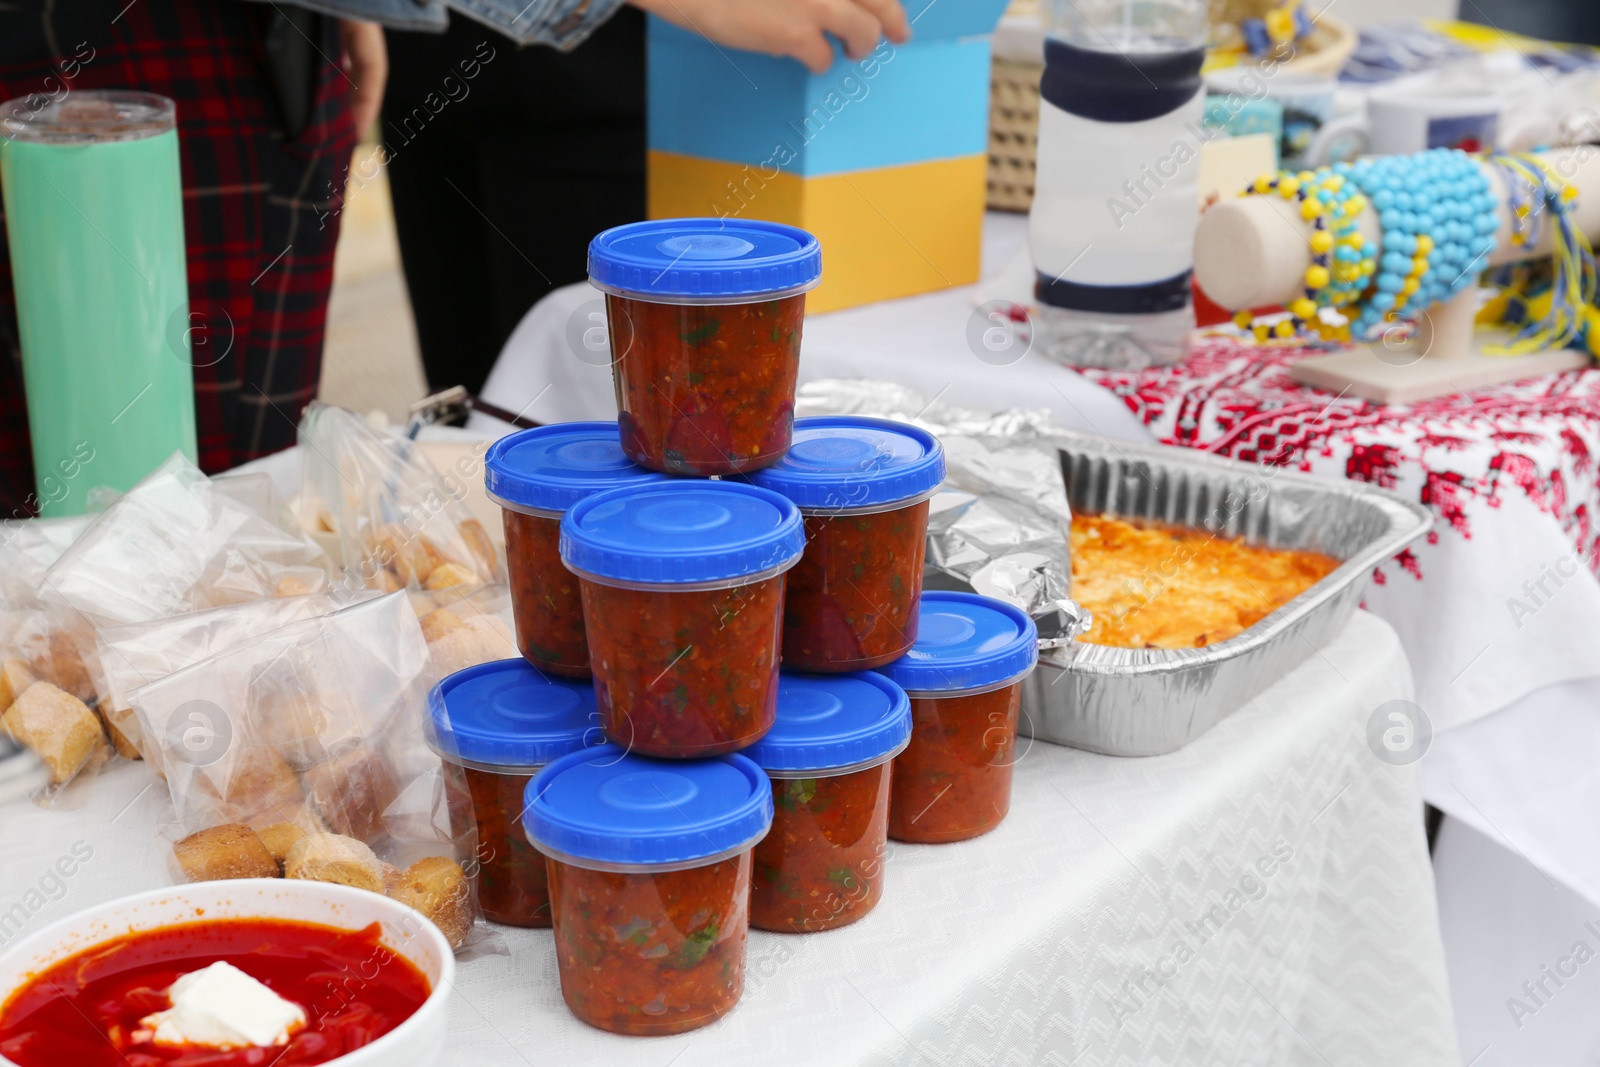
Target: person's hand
[366, 64]
[789, 27]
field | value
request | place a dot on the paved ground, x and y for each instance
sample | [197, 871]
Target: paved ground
[370, 359]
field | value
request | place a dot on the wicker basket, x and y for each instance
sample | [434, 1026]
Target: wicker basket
[1013, 133]
[1014, 110]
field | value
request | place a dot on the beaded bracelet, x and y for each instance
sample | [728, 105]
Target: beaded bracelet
[1564, 313]
[1438, 224]
[1339, 264]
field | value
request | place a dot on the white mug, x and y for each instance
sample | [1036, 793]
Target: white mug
[1416, 118]
[1307, 101]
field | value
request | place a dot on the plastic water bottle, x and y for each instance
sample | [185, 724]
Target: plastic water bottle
[1116, 197]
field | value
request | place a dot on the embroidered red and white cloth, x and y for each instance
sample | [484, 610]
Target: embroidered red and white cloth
[1502, 599]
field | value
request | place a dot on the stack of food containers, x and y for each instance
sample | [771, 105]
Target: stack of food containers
[676, 558]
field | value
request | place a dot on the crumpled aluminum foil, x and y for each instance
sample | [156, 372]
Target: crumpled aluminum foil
[1000, 525]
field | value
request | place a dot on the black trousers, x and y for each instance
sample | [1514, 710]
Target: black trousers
[504, 162]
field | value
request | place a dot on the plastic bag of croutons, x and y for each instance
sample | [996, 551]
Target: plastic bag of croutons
[176, 543]
[47, 695]
[53, 641]
[465, 629]
[300, 754]
[400, 523]
[138, 653]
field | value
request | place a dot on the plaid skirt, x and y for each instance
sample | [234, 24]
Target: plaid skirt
[260, 207]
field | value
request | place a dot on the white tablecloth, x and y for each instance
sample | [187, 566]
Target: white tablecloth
[1261, 897]
[1506, 923]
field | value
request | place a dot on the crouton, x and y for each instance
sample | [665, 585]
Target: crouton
[398, 551]
[15, 677]
[293, 585]
[280, 838]
[450, 574]
[437, 623]
[478, 639]
[351, 791]
[334, 858]
[57, 726]
[477, 539]
[438, 888]
[120, 741]
[231, 850]
[291, 720]
[256, 786]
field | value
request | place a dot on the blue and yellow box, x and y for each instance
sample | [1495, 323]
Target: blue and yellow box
[883, 158]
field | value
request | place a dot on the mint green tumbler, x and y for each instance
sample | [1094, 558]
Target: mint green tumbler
[94, 212]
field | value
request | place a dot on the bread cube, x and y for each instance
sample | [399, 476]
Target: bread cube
[15, 677]
[351, 791]
[279, 838]
[231, 850]
[438, 888]
[334, 858]
[437, 623]
[57, 726]
[451, 574]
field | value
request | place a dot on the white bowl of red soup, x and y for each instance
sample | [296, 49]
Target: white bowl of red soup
[370, 976]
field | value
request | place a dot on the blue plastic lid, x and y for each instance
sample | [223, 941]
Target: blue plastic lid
[719, 258]
[554, 467]
[965, 641]
[846, 461]
[681, 530]
[506, 713]
[834, 720]
[611, 806]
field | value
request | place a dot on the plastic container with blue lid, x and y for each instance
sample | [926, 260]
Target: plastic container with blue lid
[608, 809]
[495, 725]
[863, 485]
[703, 318]
[535, 476]
[829, 756]
[851, 464]
[505, 716]
[547, 469]
[682, 586]
[649, 864]
[831, 724]
[705, 260]
[964, 676]
[966, 644]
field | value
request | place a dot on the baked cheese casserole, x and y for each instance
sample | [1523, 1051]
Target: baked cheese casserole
[1151, 585]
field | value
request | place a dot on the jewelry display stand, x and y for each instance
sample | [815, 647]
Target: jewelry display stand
[1253, 252]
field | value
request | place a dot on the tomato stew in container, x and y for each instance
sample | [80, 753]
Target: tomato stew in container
[649, 866]
[704, 320]
[535, 476]
[495, 725]
[863, 486]
[964, 676]
[683, 603]
[829, 756]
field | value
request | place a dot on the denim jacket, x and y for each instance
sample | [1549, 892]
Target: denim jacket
[561, 24]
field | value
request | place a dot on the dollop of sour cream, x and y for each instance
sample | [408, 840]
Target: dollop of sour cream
[220, 1007]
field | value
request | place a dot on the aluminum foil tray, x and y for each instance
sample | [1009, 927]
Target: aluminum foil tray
[1143, 702]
